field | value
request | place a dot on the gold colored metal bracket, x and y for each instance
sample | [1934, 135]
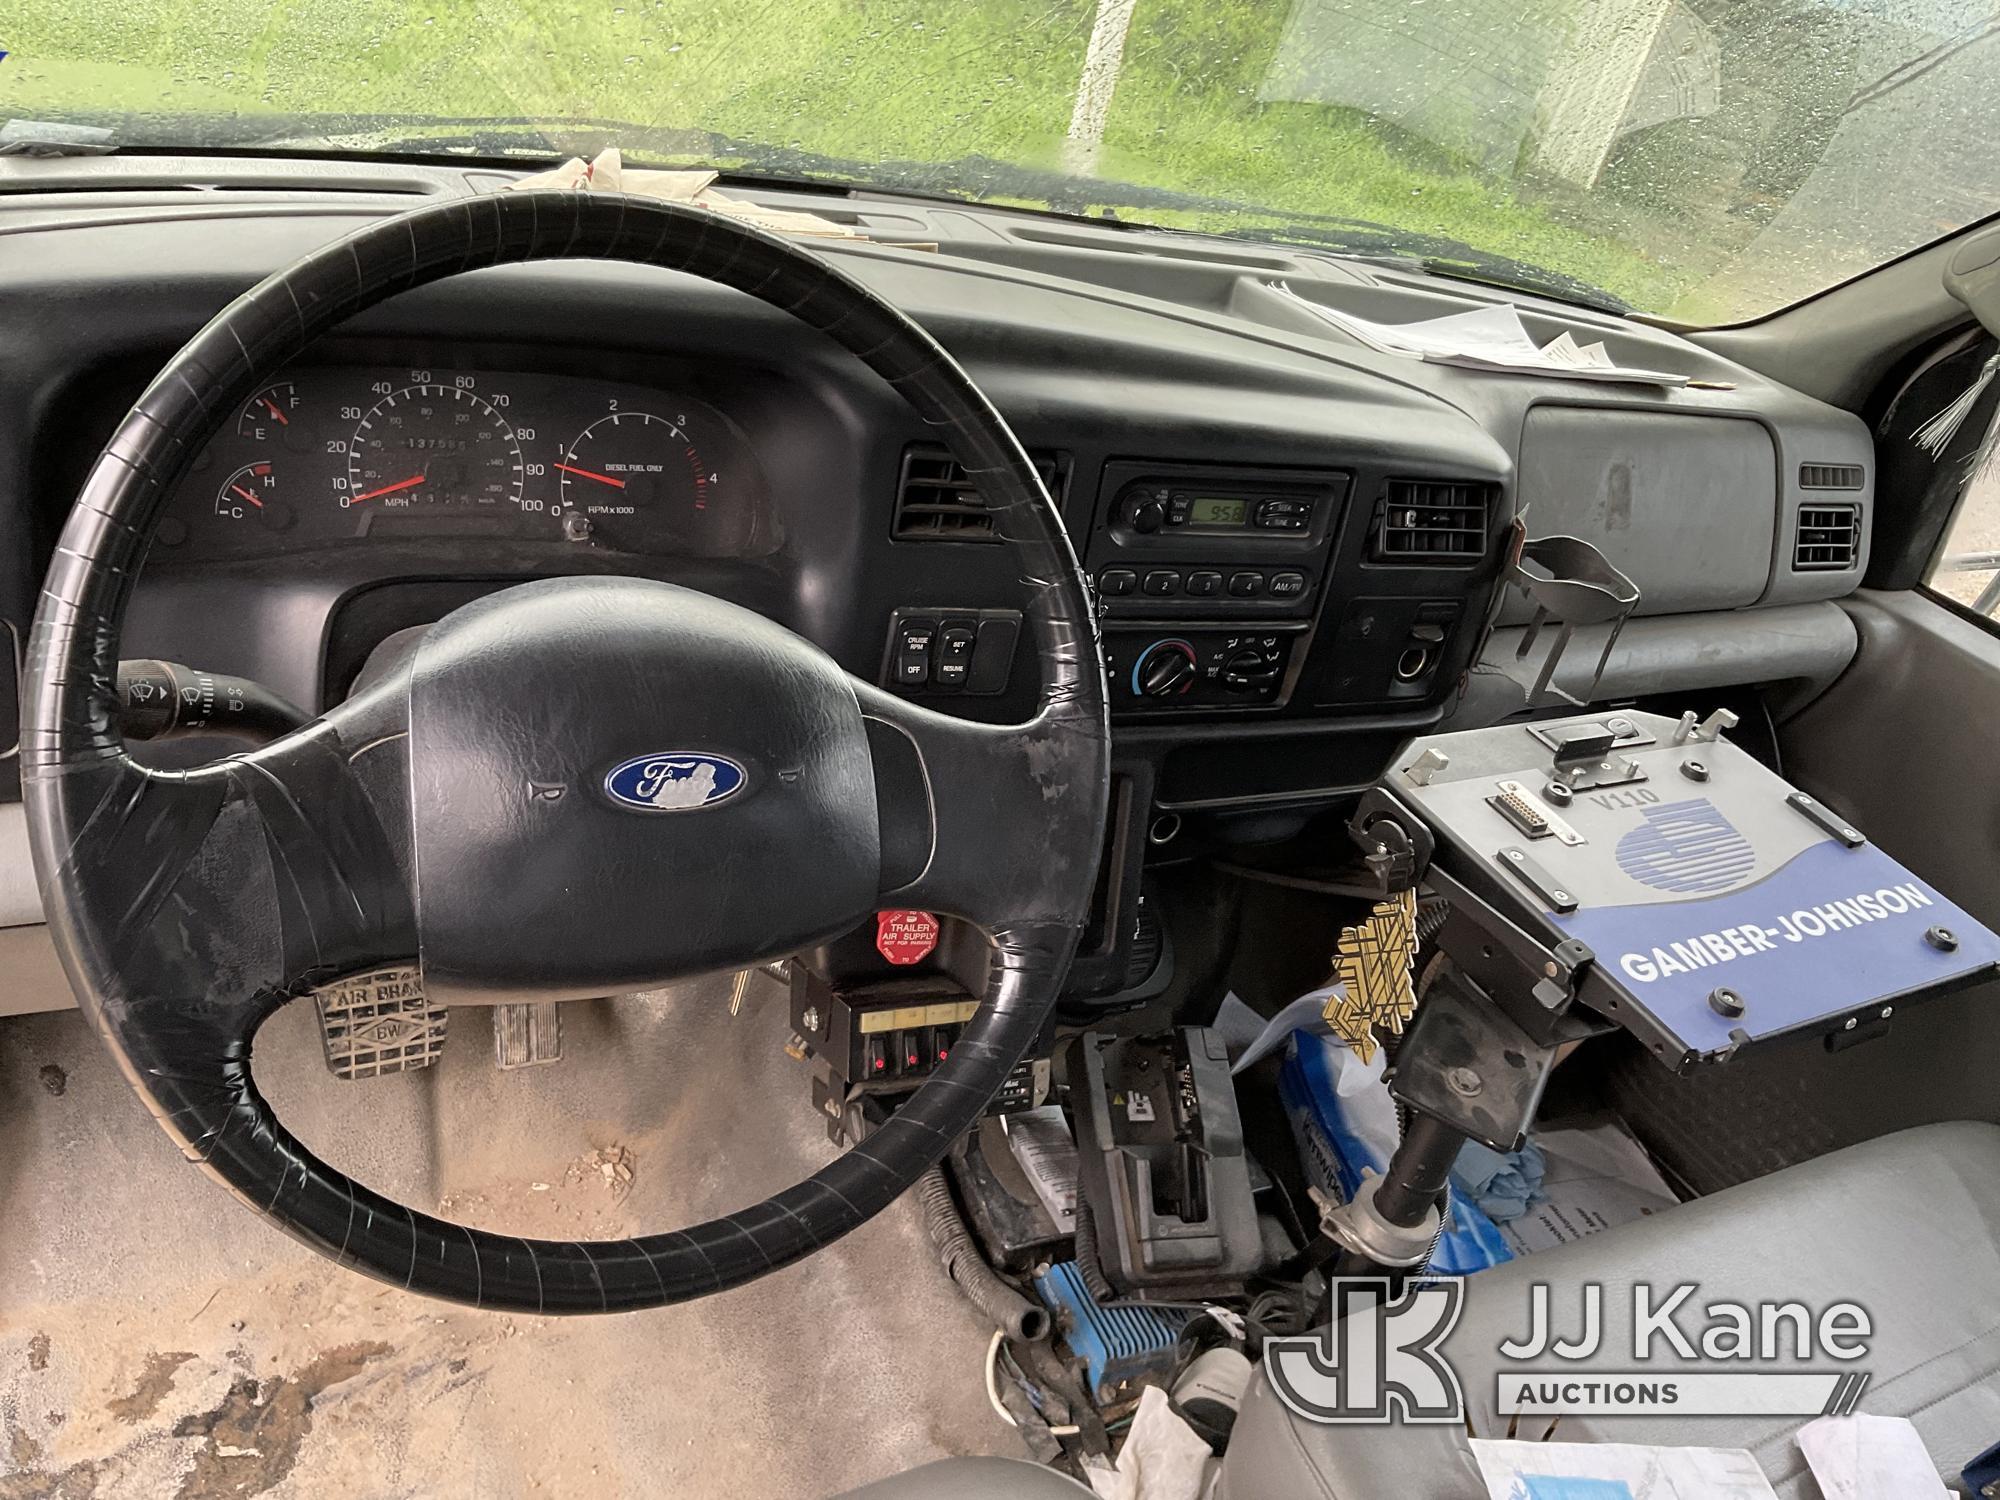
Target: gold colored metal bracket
[1373, 964]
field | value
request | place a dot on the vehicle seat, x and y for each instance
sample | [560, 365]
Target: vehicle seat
[1908, 1226]
[974, 1479]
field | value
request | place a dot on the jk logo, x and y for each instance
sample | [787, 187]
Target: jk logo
[1379, 1362]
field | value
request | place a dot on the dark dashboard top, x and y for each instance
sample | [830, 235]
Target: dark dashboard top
[590, 417]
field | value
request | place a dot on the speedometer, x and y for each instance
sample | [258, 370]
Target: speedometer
[431, 446]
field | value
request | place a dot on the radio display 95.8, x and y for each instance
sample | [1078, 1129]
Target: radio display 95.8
[1211, 510]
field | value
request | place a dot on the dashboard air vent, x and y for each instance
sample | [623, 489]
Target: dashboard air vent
[1422, 522]
[1829, 539]
[1830, 476]
[936, 502]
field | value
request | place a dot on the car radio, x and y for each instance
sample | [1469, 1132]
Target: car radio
[1147, 508]
[1202, 543]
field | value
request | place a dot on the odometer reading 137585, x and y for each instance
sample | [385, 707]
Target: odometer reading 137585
[427, 446]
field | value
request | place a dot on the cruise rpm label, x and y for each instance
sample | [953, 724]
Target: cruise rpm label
[905, 937]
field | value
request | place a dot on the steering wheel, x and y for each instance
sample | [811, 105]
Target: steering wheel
[468, 812]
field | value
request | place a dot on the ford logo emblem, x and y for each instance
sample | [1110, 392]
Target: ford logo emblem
[675, 781]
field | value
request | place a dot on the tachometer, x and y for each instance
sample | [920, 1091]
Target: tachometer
[632, 462]
[429, 446]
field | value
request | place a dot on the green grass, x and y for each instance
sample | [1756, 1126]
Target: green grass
[927, 80]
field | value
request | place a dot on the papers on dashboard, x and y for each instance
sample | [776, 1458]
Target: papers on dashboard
[1487, 338]
[607, 173]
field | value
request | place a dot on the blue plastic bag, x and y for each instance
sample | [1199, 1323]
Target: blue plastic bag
[1345, 1123]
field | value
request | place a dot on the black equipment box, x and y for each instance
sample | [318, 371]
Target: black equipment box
[884, 1037]
[1161, 1165]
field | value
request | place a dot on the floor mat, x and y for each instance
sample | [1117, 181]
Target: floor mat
[157, 1339]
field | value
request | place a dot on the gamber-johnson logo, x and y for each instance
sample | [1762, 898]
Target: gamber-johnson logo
[1383, 1361]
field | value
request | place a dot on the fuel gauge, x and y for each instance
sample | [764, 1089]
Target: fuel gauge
[252, 491]
[276, 416]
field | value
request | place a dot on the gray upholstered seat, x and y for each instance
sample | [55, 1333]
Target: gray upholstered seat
[973, 1479]
[1908, 1226]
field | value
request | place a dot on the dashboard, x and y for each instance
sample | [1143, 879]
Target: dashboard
[347, 454]
[1295, 541]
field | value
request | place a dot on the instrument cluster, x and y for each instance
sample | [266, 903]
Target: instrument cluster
[335, 454]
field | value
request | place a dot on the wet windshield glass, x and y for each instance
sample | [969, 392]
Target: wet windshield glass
[1703, 159]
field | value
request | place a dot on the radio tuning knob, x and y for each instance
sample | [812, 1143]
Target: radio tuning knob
[1148, 515]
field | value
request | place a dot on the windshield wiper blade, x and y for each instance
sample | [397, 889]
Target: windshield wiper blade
[54, 138]
[521, 141]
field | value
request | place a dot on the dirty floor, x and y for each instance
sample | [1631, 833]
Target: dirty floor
[156, 1339]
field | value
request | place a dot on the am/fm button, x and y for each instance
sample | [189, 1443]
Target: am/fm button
[1287, 585]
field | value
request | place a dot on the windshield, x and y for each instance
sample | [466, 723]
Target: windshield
[1709, 160]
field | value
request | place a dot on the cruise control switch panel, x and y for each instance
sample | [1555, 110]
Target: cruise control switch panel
[947, 650]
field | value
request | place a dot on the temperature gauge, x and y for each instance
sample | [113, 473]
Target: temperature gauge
[252, 491]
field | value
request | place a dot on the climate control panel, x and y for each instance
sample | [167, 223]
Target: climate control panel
[1157, 669]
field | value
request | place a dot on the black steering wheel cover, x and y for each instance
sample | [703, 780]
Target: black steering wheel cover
[170, 960]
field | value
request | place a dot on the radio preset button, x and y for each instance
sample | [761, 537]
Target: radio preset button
[1245, 585]
[1162, 582]
[1204, 582]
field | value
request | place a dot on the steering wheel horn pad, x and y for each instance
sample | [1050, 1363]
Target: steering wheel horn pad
[498, 805]
[535, 881]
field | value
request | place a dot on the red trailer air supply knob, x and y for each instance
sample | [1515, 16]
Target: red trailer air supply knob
[905, 937]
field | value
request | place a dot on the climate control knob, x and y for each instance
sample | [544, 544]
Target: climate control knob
[1165, 669]
[1248, 670]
